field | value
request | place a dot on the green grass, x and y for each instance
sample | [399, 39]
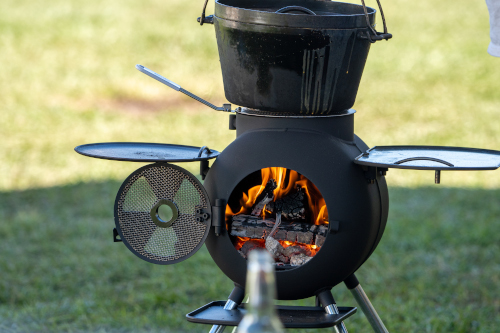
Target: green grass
[68, 78]
[436, 270]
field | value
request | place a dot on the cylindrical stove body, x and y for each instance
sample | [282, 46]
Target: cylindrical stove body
[323, 150]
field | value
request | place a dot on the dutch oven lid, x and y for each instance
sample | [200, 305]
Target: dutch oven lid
[430, 158]
[146, 152]
[295, 13]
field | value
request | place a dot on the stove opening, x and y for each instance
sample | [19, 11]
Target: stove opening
[279, 210]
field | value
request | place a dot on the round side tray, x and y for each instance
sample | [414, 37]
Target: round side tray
[146, 152]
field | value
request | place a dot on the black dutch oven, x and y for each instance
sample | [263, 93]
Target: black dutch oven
[293, 56]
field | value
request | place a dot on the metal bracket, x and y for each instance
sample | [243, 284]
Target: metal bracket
[204, 168]
[115, 235]
[334, 226]
[206, 19]
[373, 38]
[232, 122]
[371, 173]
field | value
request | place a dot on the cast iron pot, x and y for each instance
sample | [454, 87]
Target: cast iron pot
[295, 56]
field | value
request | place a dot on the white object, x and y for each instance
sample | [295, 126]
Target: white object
[494, 9]
[261, 316]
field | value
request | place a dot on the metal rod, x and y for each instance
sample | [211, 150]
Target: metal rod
[332, 309]
[368, 309]
[437, 177]
[230, 305]
[176, 87]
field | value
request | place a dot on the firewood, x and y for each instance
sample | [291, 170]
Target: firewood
[249, 246]
[299, 259]
[291, 206]
[294, 231]
[274, 247]
[295, 250]
[264, 198]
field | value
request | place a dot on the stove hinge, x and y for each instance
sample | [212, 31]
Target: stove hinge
[371, 173]
[219, 215]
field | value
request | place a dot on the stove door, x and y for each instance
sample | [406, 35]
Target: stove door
[162, 213]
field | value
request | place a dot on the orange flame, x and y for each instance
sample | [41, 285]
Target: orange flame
[285, 184]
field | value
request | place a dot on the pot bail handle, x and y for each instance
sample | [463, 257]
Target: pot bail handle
[205, 19]
[375, 36]
[295, 8]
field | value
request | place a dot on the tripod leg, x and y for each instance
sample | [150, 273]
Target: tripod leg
[233, 301]
[364, 303]
[328, 302]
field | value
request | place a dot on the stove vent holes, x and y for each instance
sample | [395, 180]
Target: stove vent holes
[279, 210]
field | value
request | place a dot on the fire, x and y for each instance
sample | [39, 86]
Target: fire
[289, 184]
[287, 180]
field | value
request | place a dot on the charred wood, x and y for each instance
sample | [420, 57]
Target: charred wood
[293, 231]
[249, 246]
[291, 206]
[264, 198]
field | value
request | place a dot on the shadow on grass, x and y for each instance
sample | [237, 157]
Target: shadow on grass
[437, 268]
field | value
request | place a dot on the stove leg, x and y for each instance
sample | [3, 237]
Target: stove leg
[233, 301]
[326, 299]
[364, 303]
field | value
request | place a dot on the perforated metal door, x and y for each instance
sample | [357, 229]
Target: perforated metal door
[162, 213]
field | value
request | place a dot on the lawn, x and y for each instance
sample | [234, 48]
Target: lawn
[68, 78]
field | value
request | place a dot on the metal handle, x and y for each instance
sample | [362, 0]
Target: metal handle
[376, 35]
[295, 8]
[202, 149]
[158, 77]
[176, 87]
[424, 159]
[203, 19]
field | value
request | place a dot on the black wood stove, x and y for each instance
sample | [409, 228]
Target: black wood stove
[318, 202]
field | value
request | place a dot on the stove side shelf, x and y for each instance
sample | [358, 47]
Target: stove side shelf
[150, 152]
[436, 158]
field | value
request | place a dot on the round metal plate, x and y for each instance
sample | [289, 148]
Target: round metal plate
[146, 152]
[430, 158]
[137, 204]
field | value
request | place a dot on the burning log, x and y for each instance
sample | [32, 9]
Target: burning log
[291, 206]
[295, 255]
[297, 232]
[264, 198]
[249, 246]
[276, 250]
